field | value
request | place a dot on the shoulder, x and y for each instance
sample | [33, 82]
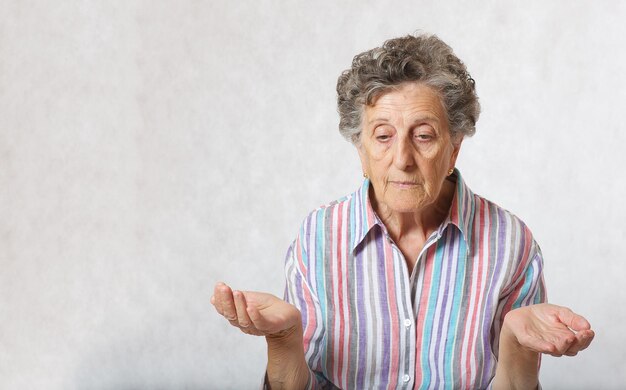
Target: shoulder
[504, 232]
[483, 221]
[317, 233]
[492, 216]
[327, 216]
[326, 224]
[507, 243]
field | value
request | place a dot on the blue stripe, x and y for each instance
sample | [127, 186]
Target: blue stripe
[456, 301]
[319, 265]
[430, 314]
[528, 276]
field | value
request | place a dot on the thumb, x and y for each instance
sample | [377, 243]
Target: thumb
[572, 320]
[257, 318]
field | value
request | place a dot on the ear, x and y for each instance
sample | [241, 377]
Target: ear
[363, 158]
[456, 145]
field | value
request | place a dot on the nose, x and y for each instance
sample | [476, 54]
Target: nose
[403, 157]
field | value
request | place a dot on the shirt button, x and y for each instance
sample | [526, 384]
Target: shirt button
[406, 378]
[407, 322]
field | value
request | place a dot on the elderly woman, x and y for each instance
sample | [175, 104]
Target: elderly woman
[412, 281]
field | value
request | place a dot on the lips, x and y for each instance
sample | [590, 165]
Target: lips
[403, 183]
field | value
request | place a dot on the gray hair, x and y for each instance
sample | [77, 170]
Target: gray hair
[422, 58]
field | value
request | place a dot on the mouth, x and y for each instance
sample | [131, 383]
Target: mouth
[404, 184]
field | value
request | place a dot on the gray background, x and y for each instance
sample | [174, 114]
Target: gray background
[149, 149]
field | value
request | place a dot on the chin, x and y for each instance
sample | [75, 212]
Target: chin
[404, 209]
[411, 205]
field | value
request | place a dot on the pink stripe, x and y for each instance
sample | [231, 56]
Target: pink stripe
[423, 309]
[311, 324]
[473, 318]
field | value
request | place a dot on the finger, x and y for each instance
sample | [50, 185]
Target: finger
[573, 320]
[255, 317]
[240, 307]
[587, 338]
[224, 296]
[564, 343]
[583, 340]
[215, 301]
[539, 345]
[554, 341]
[215, 298]
[259, 322]
[559, 346]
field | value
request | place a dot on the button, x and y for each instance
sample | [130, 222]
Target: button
[406, 378]
[407, 322]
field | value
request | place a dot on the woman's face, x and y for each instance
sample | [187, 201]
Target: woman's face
[406, 149]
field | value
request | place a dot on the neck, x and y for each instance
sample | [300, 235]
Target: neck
[421, 223]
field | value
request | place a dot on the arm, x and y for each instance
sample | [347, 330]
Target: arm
[286, 366]
[529, 331]
[264, 314]
[528, 327]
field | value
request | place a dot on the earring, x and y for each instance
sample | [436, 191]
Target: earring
[365, 175]
[450, 171]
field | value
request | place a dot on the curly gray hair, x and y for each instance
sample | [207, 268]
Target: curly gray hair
[422, 58]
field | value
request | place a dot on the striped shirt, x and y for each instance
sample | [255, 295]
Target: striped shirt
[370, 324]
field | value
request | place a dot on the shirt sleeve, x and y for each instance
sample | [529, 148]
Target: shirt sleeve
[300, 291]
[527, 288]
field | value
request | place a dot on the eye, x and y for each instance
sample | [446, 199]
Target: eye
[424, 137]
[383, 133]
[424, 133]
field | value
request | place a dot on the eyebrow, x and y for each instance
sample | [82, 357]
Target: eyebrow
[377, 119]
[423, 118]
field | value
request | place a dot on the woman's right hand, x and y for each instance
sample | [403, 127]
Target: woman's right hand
[255, 313]
[266, 315]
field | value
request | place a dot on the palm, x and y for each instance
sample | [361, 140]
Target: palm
[549, 329]
[254, 312]
[273, 315]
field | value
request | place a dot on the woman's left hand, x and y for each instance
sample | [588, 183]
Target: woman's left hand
[548, 329]
[531, 330]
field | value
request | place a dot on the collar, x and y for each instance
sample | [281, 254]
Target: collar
[460, 215]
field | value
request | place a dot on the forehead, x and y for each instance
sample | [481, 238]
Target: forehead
[407, 99]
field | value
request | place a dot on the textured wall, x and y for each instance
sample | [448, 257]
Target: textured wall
[149, 149]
